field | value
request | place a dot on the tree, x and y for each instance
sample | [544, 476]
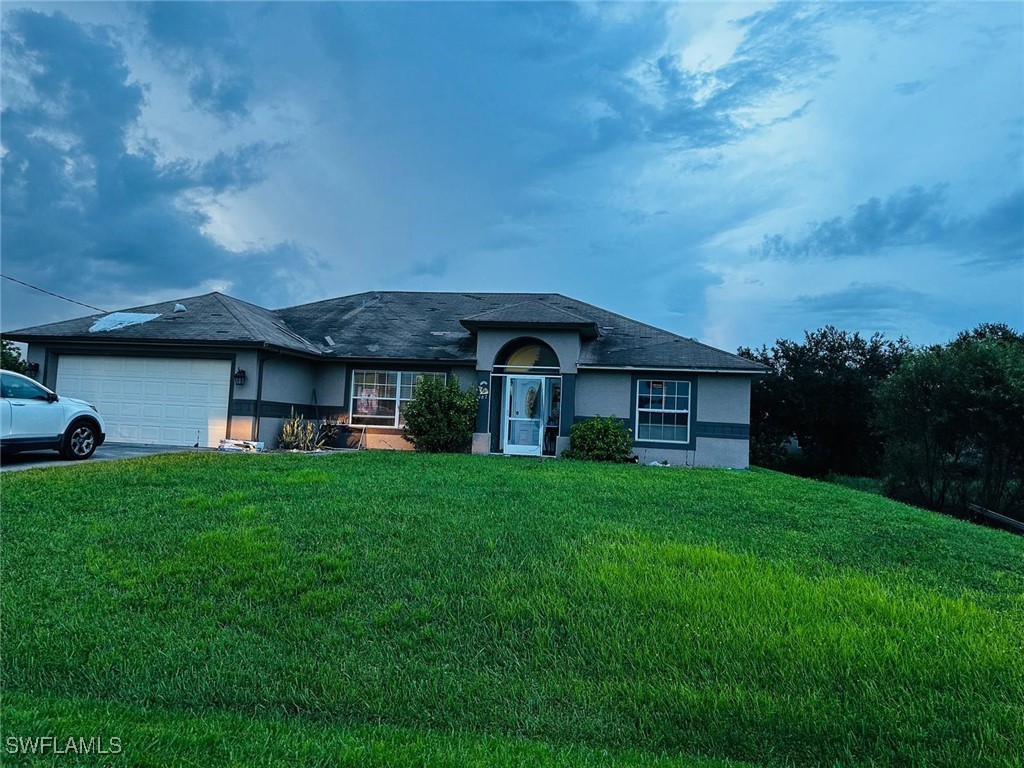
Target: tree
[441, 416]
[951, 419]
[10, 357]
[821, 392]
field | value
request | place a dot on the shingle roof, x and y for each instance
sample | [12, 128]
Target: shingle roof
[419, 325]
[211, 318]
[404, 325]
[527, 312]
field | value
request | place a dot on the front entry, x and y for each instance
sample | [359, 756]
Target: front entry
[523, 425]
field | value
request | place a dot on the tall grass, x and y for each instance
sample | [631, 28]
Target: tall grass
[509, 609]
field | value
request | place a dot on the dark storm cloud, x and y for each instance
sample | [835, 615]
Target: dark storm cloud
[995, 237]
[73, 193]
[909, 217]
[555, 84]
[865, 300]
[912, 217]
[196, 39]
[867, 307]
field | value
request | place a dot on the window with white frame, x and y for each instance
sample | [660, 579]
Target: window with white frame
[663, 411]
[378, 396]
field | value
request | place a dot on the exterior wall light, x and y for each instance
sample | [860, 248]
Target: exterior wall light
[482, 390]
[239, 377]
[32, 369]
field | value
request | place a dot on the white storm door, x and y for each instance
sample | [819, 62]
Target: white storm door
[524, 423]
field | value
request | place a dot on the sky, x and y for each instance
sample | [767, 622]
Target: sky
[735, 173]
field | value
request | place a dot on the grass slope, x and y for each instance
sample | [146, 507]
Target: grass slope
[398, 609]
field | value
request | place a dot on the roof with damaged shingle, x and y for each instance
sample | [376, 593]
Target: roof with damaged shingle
[406, 325]
[212, 318]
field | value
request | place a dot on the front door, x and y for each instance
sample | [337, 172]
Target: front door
[523, 425]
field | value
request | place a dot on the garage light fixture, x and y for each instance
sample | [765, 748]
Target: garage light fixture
[32, 369]
[239, 377]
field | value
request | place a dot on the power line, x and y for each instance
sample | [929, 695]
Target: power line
[51, 293]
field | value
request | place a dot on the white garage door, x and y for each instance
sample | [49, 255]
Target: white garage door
[164, 401]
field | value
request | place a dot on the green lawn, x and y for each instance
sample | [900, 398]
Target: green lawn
[398, 609]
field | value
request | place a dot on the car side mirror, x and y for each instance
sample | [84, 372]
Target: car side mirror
[51, 397]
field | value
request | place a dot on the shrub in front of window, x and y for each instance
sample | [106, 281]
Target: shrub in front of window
[600, 439]
[440, 417]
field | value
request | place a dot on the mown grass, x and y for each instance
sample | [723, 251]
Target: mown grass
[857, 483]
[399, 609]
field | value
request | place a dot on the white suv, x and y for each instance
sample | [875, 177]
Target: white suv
[33, 418]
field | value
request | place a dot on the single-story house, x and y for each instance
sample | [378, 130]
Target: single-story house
[199, 369]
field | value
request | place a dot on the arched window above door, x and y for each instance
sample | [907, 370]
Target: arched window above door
[526, 356]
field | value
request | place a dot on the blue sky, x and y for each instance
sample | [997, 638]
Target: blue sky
[732, 172]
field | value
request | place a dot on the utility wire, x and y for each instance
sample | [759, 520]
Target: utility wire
[50, 293]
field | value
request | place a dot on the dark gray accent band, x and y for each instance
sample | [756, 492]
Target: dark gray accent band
[723, 430]
[270, 409]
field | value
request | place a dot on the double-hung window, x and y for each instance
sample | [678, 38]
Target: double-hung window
[663, 411]
[378, 396]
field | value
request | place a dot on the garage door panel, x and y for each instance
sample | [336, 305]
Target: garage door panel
[152, 433]
[174, 436]
[167, 401]
[125, 433]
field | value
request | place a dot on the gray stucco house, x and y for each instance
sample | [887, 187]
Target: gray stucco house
[207, 367]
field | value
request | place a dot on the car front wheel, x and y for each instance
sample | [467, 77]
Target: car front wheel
[79, 441]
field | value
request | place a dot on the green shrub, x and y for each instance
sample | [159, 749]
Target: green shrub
[10, 357]
[301, 434]
[440, 418]
[600, 439]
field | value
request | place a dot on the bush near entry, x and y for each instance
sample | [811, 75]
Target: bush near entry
[440, 417]
[600, 439]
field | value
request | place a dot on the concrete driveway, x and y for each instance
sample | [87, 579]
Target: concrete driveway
[106, 452]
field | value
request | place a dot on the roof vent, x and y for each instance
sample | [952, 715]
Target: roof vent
[329, 340]
[180, 308]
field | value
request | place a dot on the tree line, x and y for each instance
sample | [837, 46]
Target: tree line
[940, 426]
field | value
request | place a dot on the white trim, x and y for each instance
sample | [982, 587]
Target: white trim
[384, 422]
[688, 411]
[538, 369]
